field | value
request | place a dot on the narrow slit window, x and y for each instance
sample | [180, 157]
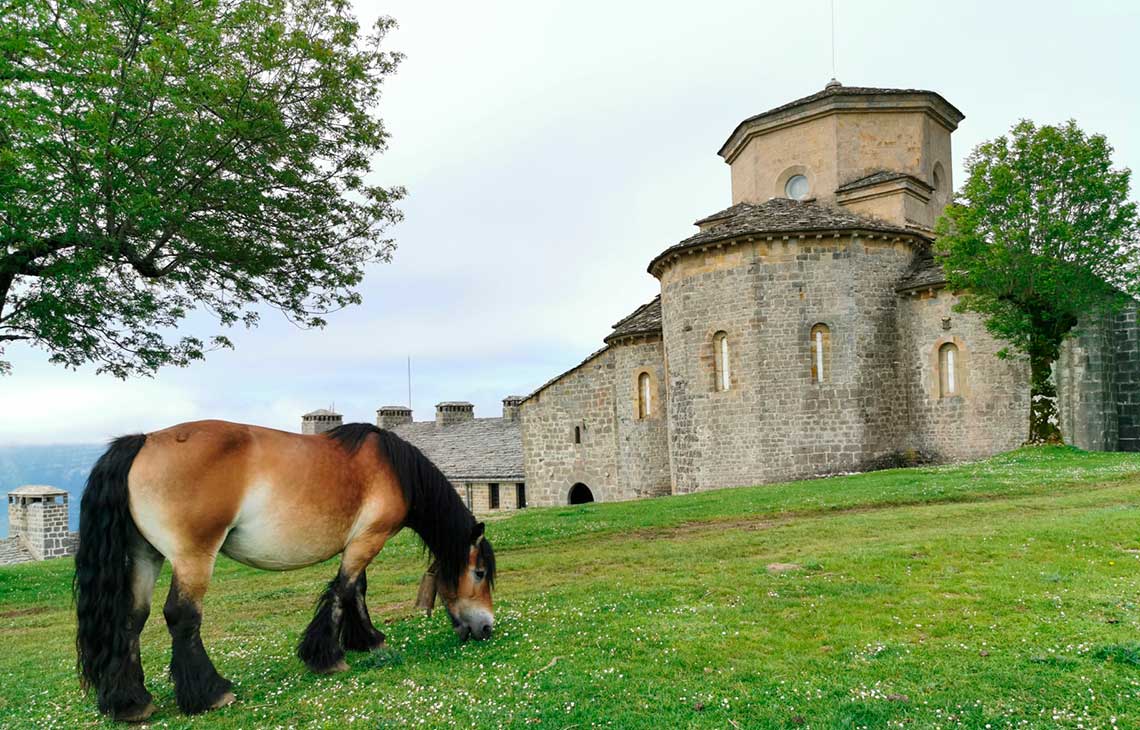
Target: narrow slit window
[820, 353]
[721, 359]
[577, 434]
[949, 370]
[493, 496]
[644, 396]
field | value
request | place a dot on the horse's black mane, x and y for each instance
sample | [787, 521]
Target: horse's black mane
[436, 513]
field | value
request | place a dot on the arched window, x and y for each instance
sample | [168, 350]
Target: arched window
[721, 358]
[949, 370]
[820, 353]
[644, 396]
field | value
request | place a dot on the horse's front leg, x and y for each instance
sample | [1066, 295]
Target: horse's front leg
[341, 620]
[358, 632]
[197, 685]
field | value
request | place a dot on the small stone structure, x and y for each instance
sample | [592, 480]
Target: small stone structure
[320, 420]
[38, 526]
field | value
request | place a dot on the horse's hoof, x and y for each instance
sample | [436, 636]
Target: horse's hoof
[138, 715]
[226, 699]
[341, 666]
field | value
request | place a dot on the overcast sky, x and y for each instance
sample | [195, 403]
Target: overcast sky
[550, 150]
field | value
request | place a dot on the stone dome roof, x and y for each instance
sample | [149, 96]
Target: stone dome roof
[779, 216]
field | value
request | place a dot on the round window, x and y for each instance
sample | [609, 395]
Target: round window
[796, 188]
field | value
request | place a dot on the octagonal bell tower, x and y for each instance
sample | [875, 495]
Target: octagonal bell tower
[881, 153]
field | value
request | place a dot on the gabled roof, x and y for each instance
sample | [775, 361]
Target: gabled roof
[645, 320]
[780, 216]
[481, 449]
[564, 373]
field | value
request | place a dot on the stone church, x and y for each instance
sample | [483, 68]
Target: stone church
[807, 328]
[804, 330]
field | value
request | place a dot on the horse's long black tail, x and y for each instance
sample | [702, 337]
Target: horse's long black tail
[104, 568]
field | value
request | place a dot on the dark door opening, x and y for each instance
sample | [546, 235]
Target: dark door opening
[580, 494]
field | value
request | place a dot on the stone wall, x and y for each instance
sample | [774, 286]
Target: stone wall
[774, 422]
[1126, 335]
[477, 497]
[991, 412]
[17, 517]
[642, 443]
[1086, 389]
[46, 532]
[553, 462]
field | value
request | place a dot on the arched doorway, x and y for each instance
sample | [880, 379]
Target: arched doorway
[580, 494]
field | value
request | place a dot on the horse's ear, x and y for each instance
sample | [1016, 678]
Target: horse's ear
[477, 533]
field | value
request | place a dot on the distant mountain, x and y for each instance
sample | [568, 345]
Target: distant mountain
[60, 465]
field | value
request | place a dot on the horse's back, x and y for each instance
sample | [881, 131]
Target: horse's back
[265, 497]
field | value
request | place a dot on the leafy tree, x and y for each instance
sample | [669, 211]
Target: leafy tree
[1041, 236]
[161, 156]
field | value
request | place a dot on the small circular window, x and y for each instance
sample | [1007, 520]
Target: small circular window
[796, 188]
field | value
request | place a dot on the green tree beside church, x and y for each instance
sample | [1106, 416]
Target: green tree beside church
[1041, 235]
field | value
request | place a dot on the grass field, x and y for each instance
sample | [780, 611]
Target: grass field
[999, 594]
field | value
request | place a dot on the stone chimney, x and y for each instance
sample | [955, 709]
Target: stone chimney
[511, 407]
[451, 412]
[320, 420]
[389, 417]
[37, 516]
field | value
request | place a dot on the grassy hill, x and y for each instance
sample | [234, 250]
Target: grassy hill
[999, 594]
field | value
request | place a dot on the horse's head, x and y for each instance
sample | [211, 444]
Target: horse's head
[468, 601]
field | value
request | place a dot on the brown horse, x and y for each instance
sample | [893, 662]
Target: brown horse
[269, 499]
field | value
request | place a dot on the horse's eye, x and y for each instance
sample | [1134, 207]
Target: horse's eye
[479, 574]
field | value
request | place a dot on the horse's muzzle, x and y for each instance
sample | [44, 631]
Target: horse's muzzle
[479, 632]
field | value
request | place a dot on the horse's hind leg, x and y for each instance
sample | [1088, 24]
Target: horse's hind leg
[341, 620]
[197, 685]
[147, 563]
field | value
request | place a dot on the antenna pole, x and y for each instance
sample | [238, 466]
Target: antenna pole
[409, 381]
[833, 74]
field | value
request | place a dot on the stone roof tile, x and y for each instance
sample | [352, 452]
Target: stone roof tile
[925, 272]
[645, 320]
[782, 215]
[479, 449]
[881, 176]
